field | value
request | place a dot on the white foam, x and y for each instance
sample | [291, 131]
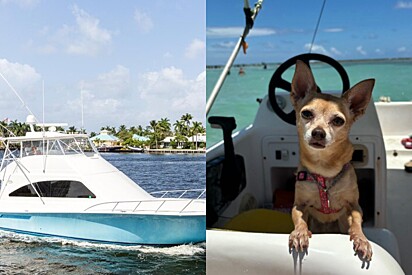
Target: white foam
[179, 250]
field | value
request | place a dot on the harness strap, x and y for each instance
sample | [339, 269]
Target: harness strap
[323, 189]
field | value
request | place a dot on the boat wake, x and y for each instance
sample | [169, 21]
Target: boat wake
[178, 250]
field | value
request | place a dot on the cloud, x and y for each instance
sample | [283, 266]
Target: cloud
[335, 51]
[25, 80]
[231, 32]
[88, 36]
[360, 50]
[401, 49]
[115, 97]
[195, 49]
[322, 50]
[85, 37]
[333, 30]
[403, 5]
[224, 45]
[105, 99]
[113, 84]
[144, 22]
[111, 98]
[20, 76]
[96, 108]
[316, 48]
[168, 93]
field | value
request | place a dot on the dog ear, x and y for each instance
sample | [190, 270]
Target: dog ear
[303, 83]
[359, 96]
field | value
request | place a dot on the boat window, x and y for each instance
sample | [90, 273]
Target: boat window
[55, 189]
[54, 148]
[70, 146]
[31, 148]
[66, 146]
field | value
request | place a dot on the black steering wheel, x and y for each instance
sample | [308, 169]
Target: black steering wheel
[278, 82]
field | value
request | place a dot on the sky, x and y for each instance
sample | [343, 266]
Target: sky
[128, 61]
[349, 29]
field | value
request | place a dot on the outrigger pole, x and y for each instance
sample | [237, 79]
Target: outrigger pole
[250, 19]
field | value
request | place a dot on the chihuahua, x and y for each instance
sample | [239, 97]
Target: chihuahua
[326, 190]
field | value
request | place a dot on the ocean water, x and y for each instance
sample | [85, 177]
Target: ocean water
[238, 95]
[20, 254]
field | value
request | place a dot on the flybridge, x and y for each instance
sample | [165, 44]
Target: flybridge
[52, 127]
[45, 143]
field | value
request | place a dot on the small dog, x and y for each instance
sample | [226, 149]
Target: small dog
[326, 191]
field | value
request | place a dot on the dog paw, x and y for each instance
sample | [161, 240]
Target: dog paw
[299, 239]
[361, 246]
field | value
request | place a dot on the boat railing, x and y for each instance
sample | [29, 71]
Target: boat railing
[191, 193]
[157, 205]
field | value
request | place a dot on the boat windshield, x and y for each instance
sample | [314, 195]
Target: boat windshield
[60, 146]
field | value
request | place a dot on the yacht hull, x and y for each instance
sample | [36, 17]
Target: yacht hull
[123, 229]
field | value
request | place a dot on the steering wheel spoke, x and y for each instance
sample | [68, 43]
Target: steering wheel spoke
[284, 84]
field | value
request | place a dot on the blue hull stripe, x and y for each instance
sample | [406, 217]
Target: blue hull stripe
[123, 229]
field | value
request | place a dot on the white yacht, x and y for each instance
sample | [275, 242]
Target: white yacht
[57, 185]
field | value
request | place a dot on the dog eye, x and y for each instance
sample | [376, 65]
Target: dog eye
[338, 121]
[306, 114]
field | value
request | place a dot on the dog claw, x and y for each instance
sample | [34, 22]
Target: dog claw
[362, 247]
[299, 239]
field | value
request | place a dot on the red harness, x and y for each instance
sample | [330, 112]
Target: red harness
[323, 189]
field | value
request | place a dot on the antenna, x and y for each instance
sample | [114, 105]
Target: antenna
[17, 94]
[317, 26]
[43, 104]
[81, 100]
[43, 132]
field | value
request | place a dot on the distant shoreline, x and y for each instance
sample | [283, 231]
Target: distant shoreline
[161, 151]
[400, 59]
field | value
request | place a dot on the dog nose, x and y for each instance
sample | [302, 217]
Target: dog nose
[318, 134]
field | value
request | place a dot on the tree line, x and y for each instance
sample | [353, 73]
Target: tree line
[156, 131]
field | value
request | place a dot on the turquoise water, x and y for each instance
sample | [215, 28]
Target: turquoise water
[239, 93]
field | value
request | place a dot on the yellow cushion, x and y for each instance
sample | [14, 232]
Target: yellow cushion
[261, 220]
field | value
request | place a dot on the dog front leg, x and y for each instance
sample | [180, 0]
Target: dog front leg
[299, 238]
[361, 244]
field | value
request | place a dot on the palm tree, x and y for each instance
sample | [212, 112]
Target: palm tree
[140, 131]
[122, 128]
[18, 128]
[132, 130]
[164, 124]
[123, 133]
[60, 129]
[186, 118]
[71, 129]
[153, 126]
[179, 127]
[196, 129]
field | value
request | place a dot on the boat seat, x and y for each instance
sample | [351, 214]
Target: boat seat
[261, 220]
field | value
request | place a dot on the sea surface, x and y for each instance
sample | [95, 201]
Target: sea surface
[20, 254]
[238, 95]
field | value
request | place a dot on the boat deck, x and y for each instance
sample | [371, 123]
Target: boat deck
[398, 214]
[399, 205]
